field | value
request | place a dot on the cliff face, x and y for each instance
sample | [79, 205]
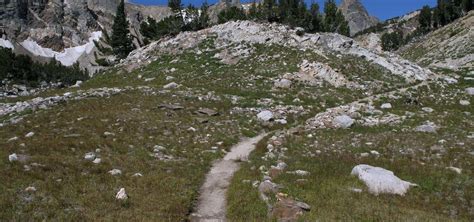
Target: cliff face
[357, 16]
[59, 24]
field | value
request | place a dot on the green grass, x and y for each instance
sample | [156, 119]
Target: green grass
[442, 195]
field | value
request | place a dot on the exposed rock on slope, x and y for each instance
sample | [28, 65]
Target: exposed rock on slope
[448, 47]
[55, 25]
[236, 34]
[357, 16]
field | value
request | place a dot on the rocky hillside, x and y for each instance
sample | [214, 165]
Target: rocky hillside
[357, 16]
[66, 29]
[449, 47]
[136, 141]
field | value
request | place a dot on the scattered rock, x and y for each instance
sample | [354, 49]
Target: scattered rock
[97, 160]
[89, 156]
[265, 116]
[121, 194]
[287, 209]
[380, 180]
[282, 83]
[208, 112]
[12, 157]
[299, 172]
[12, 139]
[30, 134]
[427, 127]
[115, 172]
[170, 107]
[171, 85]
[137, 175]
[343, 121]
[464, 102]
[267, 187]
[30, 189]
[455, 169]
[470, 91]
[427, 109]
[386, 106]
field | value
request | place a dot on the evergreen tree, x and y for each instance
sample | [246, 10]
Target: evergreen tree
[232, 13]
[316, 18]
[175, 5]
[334, 20]
[253, 11]
[467, 5]
[425, 19]
[121, 40]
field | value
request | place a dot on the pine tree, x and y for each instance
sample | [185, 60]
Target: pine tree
[253, 11]
[425, 19]
[467, 5]
[334, 20]
[175, 5]
[121, 40]
[316, 18]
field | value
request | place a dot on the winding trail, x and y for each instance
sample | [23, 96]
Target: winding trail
[212, 200]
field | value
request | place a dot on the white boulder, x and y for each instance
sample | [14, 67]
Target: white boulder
[89, 156]
[265, 116]
[30, 134]
[343, 121]
[380, 181]
[470, 91]
[12, 157]
[171, 85]
[386, 106]
[121, 194]
[464, 102]
[283, 83]
[115, 172]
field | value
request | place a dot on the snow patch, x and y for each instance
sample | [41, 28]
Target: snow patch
[6, 44]
[67, 57]
[380, 180]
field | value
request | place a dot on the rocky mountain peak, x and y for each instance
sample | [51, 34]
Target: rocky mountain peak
[357, 16]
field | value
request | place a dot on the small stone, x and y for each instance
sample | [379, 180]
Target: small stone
[97, 160]
[169, 78]
[343, 121]
[265, 116]
[374, 152]
[455, 169]
[12, 157]
[428, 127]
[282, 83]
[30, 189]
[171, 85]
[89, 156]
[109, 134]
[470, 91]
[30, 134]
[364, 154]
[12, 139]
[137, 175]
[121, 194]
[115, 172]
[299, 172]
[464, 102]
[267, 186]
[386, 106]
[427, 109]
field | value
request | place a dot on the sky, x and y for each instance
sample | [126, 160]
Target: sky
[382, 9]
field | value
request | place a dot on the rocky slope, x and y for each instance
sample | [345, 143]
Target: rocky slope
[42, 29]
[136, 141]
[449, 47]
[357, 16]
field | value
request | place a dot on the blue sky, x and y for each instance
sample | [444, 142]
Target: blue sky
[382, 9]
